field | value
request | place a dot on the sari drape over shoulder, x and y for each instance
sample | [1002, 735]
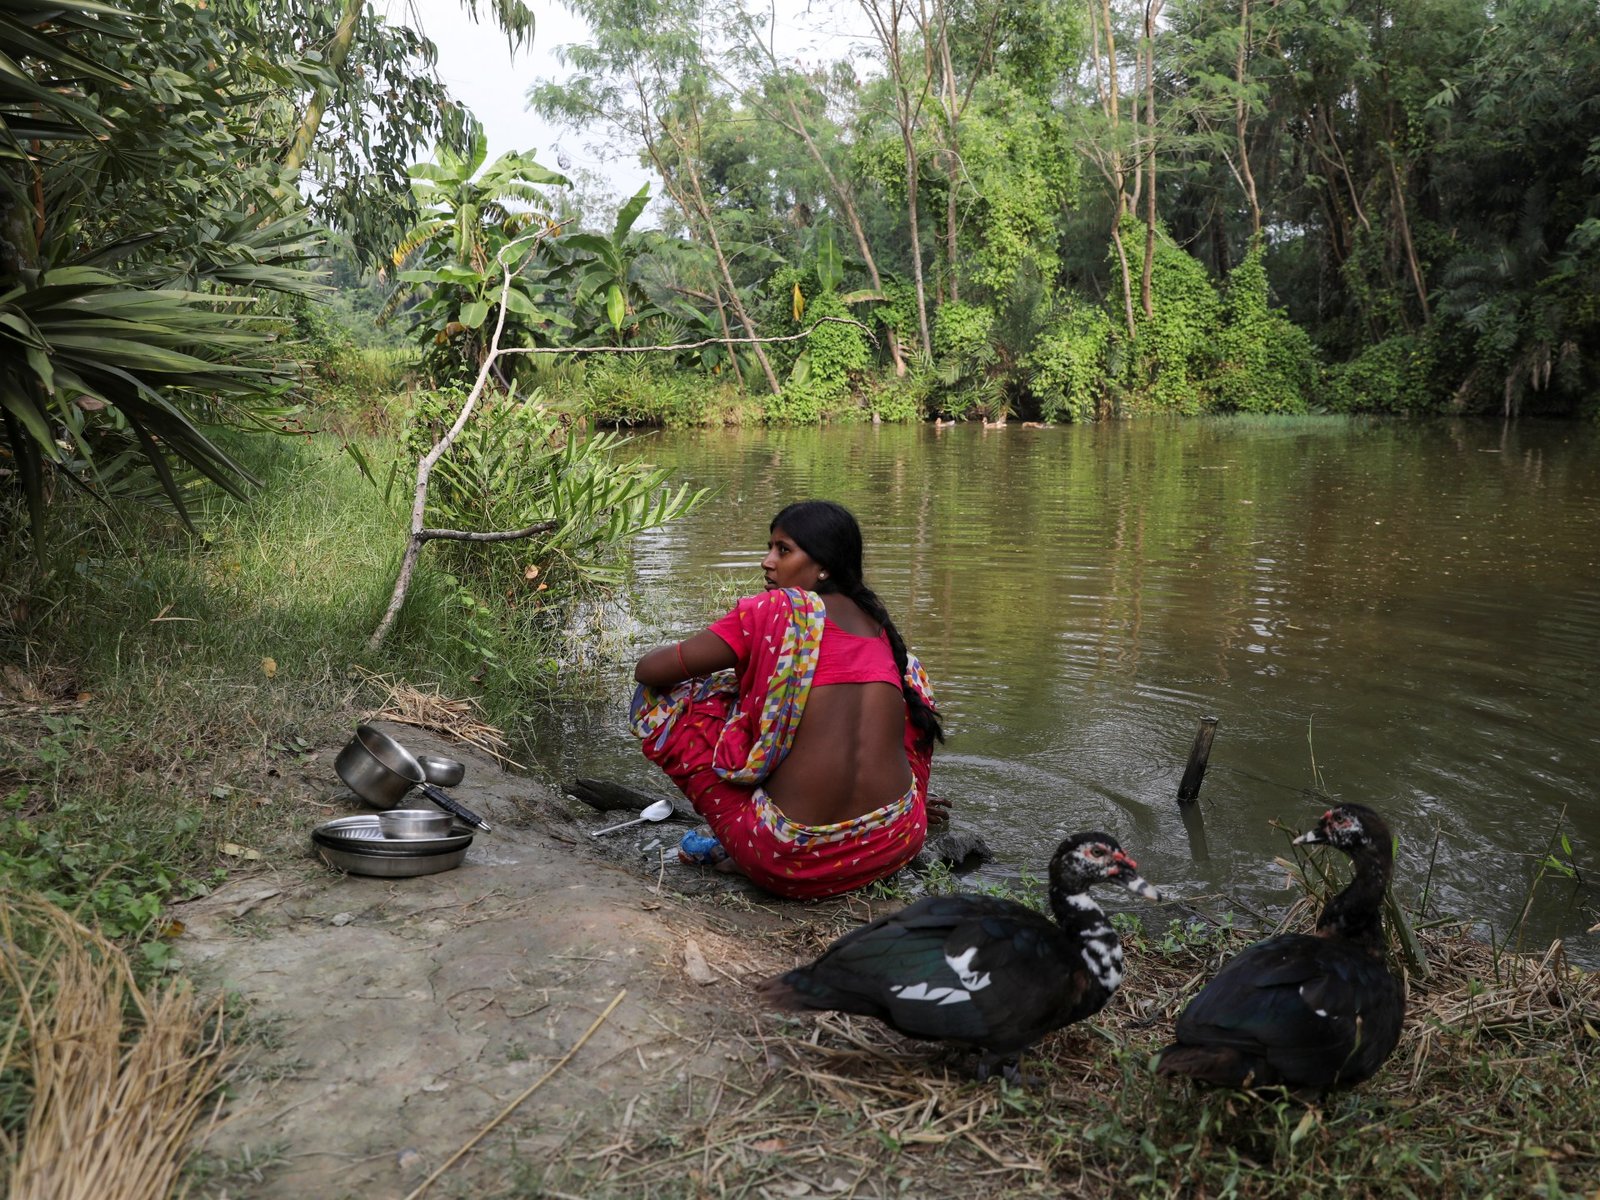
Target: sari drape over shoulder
[720, 736]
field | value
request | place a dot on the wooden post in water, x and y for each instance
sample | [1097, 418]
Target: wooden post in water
[1195, 826]
[1189, 787]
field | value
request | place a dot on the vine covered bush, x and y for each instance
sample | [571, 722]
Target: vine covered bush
[898, 400]
[835, 354]
[1174, 352]
[826, 368]
[957, 376]
[1265, 362]
[1023, 172]
[1068, 363]
[1397, 375]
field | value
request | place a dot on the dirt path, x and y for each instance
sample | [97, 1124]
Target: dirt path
[390, 1020]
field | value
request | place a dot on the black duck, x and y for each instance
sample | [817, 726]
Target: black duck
[981, 970]
[1309, 1012]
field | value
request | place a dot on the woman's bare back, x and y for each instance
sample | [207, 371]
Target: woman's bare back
[848, 756]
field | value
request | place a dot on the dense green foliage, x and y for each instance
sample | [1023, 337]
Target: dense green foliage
[1356, 206]
[152, 218]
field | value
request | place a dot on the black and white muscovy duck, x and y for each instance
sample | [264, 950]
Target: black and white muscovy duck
[1302, 1011]
[979, 969]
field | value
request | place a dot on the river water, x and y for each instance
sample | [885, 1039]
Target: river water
[1405, 615]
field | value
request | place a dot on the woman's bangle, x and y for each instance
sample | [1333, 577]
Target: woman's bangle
[687, 674]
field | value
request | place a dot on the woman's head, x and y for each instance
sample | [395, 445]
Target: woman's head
[830, 536]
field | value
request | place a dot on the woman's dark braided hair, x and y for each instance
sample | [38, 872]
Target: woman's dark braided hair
[830, 534]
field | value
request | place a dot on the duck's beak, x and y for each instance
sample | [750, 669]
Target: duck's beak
[1310, 837]
[1126, 872]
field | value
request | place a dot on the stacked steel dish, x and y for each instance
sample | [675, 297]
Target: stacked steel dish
[395, 844]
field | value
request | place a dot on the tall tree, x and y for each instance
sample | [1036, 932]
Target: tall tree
[908, 92]
[795, 102]
[644, 77]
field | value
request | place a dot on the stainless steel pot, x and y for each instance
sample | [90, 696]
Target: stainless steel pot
[382, 772]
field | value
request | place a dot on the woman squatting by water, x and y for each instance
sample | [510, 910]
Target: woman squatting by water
[798, 724]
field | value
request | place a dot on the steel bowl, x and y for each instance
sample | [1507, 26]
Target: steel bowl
[408, 824]
[377, 768]
[441, 771]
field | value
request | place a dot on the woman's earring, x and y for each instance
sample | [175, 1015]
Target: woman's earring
[822, 574]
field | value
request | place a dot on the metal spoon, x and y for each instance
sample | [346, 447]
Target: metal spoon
[659, 811]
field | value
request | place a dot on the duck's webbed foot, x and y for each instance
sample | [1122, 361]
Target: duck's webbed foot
[1010, 1066]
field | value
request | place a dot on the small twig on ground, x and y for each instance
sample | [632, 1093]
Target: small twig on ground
[510, 1108]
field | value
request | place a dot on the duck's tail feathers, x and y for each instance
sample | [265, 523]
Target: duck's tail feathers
[780, 992]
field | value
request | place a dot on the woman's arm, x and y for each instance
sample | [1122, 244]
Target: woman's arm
[702, 654]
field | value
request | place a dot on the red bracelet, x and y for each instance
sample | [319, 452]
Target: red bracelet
[687, 674]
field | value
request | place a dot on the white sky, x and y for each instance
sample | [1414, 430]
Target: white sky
[480, 71]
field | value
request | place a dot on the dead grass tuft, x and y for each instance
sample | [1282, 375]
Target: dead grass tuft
[461, 719]
[118, 1077]
[47, 691]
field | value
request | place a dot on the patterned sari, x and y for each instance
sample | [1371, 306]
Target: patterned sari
[719, 737]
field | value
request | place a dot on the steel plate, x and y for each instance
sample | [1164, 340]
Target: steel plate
[361, 833]
[390, 866]
[388, 848]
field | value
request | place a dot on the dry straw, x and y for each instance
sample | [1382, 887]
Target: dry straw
[119, 1077]
[828, 1100]
[405, 704]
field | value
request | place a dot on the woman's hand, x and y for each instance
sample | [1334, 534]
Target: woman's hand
[665, 666]
[938, 809]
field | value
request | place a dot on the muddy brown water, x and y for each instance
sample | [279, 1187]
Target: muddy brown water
[1402, 614]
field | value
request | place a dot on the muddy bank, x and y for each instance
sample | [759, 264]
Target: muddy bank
[387, 1022]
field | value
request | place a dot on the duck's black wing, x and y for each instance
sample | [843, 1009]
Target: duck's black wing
[966, 968]
[1302, 1011]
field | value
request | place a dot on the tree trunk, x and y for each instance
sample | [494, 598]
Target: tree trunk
[887, 30]
[1412, 264]
[1116, 176]
[847, 204]
[952, 112]
[338, 51]
[731, 287]
[1127, 275]
[916, 238]
[1240, 124]
[1151, 9]
[733, 357]
[693, 205]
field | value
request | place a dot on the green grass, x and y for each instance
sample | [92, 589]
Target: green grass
[153, 679]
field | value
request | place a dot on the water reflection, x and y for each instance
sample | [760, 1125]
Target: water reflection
[1404, 615]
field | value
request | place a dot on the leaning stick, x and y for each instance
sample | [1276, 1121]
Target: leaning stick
[419, 536]
[482, 1133]
[419, 502]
